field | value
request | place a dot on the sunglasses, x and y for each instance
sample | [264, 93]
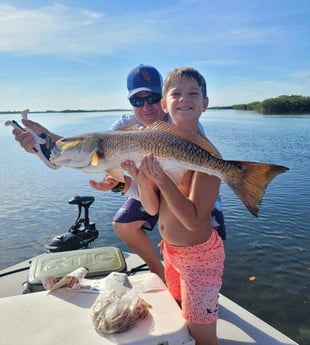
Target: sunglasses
[138, 102]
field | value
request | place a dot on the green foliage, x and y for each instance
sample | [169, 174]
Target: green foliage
[284, 104]
[256, 106]
[240, 107]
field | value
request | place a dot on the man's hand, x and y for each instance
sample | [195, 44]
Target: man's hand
[25, 139]
[106, 184]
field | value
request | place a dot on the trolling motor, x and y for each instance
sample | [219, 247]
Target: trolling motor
[81, 232]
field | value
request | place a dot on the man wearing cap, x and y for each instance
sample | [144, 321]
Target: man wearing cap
[144, 84]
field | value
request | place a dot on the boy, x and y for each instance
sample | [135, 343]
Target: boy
[192, 250]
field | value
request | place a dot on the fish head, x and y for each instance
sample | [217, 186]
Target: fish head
[76, 152]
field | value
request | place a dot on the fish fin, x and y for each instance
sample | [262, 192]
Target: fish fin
[118, 174]
[95, 159]
[176, 175]
[250, 188]
[195, 138]
[130, 128]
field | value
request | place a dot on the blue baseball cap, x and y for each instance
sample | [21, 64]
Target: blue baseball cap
[144, 78]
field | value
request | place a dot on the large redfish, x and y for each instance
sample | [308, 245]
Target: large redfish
[176, 149]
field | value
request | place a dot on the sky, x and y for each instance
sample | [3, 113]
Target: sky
[76, 54]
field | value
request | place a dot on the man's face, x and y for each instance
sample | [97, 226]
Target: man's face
[148, 113]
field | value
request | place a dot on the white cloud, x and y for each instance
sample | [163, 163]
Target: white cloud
[61, 30]
[66, 31]
[237, 48]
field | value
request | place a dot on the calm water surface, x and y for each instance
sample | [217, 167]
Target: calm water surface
[268, 262]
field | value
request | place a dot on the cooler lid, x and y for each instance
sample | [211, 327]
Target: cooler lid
[99, 261]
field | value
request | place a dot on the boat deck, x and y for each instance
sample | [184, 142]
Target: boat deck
[236, 326]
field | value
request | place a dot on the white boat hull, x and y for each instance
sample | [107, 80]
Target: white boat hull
[64, 318]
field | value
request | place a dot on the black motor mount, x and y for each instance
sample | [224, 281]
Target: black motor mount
[81, 233]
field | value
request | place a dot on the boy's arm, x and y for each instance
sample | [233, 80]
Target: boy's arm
[148, 193]
[147, 190]
[193, 210]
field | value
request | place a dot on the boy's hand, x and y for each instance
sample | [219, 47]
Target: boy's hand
[130, 166]
[136, 173]
[151, 168]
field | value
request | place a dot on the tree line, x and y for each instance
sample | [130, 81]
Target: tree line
[284, 104]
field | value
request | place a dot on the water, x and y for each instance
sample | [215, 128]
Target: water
[267, 269]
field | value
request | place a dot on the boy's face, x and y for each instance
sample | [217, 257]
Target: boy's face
[184, 101]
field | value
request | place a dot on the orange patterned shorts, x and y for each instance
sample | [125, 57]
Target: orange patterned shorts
[194, 277]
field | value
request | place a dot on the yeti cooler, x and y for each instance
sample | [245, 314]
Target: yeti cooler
[99, 261]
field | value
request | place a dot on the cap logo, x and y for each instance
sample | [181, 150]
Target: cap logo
[145, 75]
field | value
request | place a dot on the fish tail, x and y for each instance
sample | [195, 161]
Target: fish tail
[252, 182]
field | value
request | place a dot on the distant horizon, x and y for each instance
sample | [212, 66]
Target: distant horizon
[85, 110]
[63, 111]
[81, 110]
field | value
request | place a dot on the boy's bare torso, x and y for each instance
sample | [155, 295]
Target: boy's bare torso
[172, 230]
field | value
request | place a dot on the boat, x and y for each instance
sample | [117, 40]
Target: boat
[31, 315]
